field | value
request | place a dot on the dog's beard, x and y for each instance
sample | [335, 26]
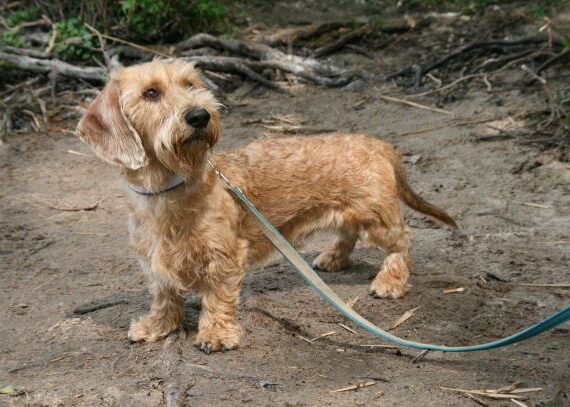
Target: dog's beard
[182, 149]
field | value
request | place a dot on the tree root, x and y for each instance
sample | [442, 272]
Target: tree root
[53, 65]
[511, 48]
[249, 59]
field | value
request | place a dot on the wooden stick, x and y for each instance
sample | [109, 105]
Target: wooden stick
[132, 44]
[414, 104]
[347, 328]
[407, 315]
[534, 205]
[526, 390]
[353, 387]
[485, 393]
[352, 302]
[53, 65]
[548, 285]
[311, 341]
[453, 290]
[75, 208]
[476, 399]
[342, 41]
[78, 153]
[322, 336]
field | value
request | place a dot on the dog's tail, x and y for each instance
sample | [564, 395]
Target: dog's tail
[416, 202]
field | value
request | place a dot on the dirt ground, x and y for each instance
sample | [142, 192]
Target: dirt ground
[70, 285]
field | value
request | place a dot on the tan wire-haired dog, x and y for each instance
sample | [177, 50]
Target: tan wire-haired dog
[159, 123]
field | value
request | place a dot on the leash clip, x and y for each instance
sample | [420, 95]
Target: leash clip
[234, 188]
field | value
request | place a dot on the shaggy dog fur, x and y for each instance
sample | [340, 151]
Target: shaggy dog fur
[197, 237]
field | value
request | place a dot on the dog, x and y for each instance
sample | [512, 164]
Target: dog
[159, 123]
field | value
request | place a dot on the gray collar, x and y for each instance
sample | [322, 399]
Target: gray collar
[174, 181]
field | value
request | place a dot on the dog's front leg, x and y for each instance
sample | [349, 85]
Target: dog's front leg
[218, 328]
[164, 316]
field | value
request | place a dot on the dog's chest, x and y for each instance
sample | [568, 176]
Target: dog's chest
[167, 237]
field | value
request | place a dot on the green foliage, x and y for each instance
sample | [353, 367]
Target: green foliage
[142, 21]
[539, 9]
[11, 38]
[21, 16]
[74, 41]
[171, 19]
[211, 10]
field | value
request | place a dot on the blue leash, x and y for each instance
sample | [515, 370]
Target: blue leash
[315, 281]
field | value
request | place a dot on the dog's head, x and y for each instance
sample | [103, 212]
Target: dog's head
[154, 112]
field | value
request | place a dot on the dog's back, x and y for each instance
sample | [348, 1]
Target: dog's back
[323, 171]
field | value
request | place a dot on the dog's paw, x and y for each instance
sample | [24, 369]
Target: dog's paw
[331, 261]
[209, 341]
[148, 330]
[383, 287]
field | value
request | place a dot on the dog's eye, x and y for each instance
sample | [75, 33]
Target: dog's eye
[189, 85]
[151, 93]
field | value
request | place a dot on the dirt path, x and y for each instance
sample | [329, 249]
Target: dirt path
[69, 285]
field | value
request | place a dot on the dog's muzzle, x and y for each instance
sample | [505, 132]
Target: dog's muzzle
[197, 118]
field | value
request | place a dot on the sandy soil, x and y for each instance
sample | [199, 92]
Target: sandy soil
[69, 285]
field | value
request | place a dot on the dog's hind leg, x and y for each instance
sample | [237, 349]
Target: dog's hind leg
[164, 316]
[337, 257]
[392, 280]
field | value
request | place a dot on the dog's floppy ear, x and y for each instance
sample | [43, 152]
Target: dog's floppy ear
[108, 132]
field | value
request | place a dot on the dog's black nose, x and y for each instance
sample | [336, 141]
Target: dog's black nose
[197, 117]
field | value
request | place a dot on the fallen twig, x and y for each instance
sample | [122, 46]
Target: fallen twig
[414, 104]
[476, 399]
[311, 341]
[555, 111]
[421, 355]
[291, 35]
[534, 205]
[509, 392]
[453, 290]
[353, 387]
[405, 316]
[53, 65]
[474, 45]
[349, 329]
[546, 285]
[451, 125]
[322, 336]
[233, 65]
[75, 208]
[342, 41]
[352, 302]
[77, 153]
[129, 43]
